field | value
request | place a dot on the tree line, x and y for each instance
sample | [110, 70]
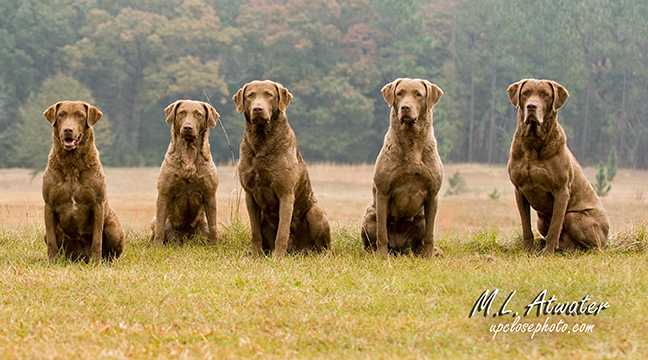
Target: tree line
[131, 58]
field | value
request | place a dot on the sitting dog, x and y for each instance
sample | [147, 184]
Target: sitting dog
[186, 202]
[547, 176]
[78, 220]
[284, 214]
[408, 174]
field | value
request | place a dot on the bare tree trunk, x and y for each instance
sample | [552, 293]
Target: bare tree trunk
[453, 37]
[586, 120]
[126, 146]
[136, 116]
[491, 135]
[624, 116]
[471, 123]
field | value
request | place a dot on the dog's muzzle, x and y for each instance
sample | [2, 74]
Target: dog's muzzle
[68, 139]
[408, 120]
[259, 120]
[259, 114]
[70, 144]
[405, 114]
[188, 133]
[532, 113]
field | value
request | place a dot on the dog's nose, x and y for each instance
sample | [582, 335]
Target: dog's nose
[257, 108]
[405, 108]
[67, 130]
[531, 107]
[187, 128]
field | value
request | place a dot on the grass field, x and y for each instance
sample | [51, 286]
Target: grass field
[196, 301]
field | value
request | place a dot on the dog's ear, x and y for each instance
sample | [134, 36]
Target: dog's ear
[560, 95]
[238, 99]
[388, 91]
[434, 93]
[514, 92]
[50, 113]
[284, 97]
[170, 112]
[93, 114]
[212, 115]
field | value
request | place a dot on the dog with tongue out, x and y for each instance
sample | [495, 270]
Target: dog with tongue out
[78, 220]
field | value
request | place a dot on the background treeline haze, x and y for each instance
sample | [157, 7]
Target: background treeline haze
[133, 58]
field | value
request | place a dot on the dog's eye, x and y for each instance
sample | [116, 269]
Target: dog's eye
[250, 95]
[400, 93]
[198, 114]
[418, 94]
[526, 93]
[269, 94]
[61, 114]
[79, 116]
[544, 94]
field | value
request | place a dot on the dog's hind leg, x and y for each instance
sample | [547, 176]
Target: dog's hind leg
[268, 232]
[318, 226]
[368, 229]
[201, 227]
[113, 236]
[585, 230]
[416, 236]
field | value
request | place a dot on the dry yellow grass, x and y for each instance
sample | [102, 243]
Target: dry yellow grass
[343, 190]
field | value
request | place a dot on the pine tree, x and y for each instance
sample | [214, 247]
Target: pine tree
[601, 187]
[457, 184]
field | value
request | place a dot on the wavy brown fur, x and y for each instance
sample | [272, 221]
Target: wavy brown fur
[78, 219]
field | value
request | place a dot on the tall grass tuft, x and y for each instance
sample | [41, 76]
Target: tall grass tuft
[630, 240]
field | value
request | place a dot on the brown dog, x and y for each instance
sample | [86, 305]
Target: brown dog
[547, 176]
[408, 174]
[186, 202]
[284, 214]
[78, 219]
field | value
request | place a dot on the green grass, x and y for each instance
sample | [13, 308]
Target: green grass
[196, 301]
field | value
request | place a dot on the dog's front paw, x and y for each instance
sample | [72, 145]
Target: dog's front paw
[257, 251]
[95, 259]
[432, 251]
[213, 240]
[529, 246]
[158, 241]
[529, 249]
[548, 250]
[383, 252]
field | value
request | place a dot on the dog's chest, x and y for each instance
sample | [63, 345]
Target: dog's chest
[73, 203]
[259, 184]
[534, 180]
[530, 174]
[257, 179]
[188, 191]
[409, 188]
[186, 188]
[268, 173]
[187, 181]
